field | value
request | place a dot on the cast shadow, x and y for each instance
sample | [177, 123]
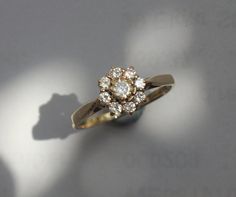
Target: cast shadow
[54, 119]
[7, 185]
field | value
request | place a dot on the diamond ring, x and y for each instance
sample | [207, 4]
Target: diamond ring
[122, 92]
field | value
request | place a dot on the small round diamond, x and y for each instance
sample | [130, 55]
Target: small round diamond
[115, 108]
[116, 72]
[129, 107]
[130, 73]
[104, 83]
[104, 97]
[121, 89]
[139, 97]
[140, 83]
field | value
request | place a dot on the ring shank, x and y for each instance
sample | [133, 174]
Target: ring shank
[84, 117]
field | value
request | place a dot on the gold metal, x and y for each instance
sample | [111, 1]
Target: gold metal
[84, 117]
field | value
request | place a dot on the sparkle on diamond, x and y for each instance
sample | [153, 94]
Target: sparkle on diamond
[115, 108]
[116, 72]
[104, 83]
[139, 97]
[104, 97]
[140, 83]
[129, 107]
[122, 89]
[130, 73]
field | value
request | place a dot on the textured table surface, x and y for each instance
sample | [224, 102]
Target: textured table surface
[51, 54]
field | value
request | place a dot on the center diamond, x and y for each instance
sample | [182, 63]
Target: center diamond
[122, 89]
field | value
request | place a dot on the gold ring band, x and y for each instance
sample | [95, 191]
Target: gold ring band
[89, 115]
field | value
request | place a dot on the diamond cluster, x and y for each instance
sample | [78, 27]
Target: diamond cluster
[121, 90]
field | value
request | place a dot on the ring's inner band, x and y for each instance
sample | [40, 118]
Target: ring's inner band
[84, 117]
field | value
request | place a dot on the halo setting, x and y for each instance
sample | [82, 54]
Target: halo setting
[121, 90]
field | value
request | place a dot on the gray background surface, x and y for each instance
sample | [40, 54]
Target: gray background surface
[51, 54]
